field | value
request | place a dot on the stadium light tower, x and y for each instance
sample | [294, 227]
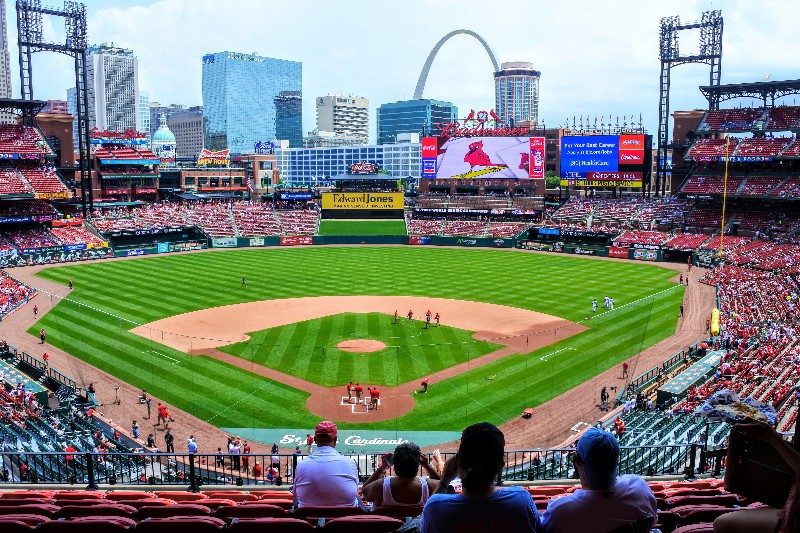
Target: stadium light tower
[710, 26]
[31, 39]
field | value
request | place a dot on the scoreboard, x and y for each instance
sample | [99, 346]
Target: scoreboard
[606, 160]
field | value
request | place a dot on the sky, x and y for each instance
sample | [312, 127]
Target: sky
[597, 58]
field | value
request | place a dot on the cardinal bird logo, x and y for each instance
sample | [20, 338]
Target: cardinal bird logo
[476, 157]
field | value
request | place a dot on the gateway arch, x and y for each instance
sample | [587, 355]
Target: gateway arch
[423, 76]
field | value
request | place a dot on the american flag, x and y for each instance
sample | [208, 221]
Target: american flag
[249, 184]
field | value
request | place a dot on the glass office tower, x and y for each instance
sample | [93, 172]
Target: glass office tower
[242, 94]
[413, 116]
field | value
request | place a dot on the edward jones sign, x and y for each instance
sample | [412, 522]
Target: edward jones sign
[362, 200]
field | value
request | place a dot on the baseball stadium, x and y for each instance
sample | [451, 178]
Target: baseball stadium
[171, 339]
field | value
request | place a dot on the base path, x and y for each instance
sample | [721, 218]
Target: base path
[202, 332]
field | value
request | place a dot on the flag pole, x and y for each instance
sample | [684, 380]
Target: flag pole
[724, 193]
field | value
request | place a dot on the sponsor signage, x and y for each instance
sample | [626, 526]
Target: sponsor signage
[362, 167]
[132, 253]
[14, 220]
[19, 156]
[645, 255]
[536, 158]
[257, 241]
[430, 147]
[429, 168]
[419, 239]
[467, 242]
[583, 251]
[71, 247]
[186, 246]
[115, 191]
[162, 247]
[601, 183]
[146, 190]
[128, 134]
[454, 129]
[130, 162]
[745, 158]
[223, 242]
[263, 147]
[616, 251]
[350, 441]
[366, 200]
[631, 150]
[542, 247]
[499, 242]
[220, 157]
[8, 253]
[295, 196]
[296, 240]
[49, 195]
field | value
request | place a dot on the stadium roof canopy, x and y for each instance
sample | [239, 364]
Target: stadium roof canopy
[760, 89]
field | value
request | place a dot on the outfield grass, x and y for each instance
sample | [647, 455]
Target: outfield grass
[362, 227]
[110, 298]
[307, 349]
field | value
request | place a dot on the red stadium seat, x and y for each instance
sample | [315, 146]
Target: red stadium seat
[263, 510]
[78, 495]
[555, 490]
[150, 502]
[214, 503]
[179, 509]
[32, 519]
[123, 495]
[362, 524]
[42, 509]
[235, 496]
[725, 500]
[180, 496]
[26, 494]
[181, 524]
[16, 526]
[286, 504]
[271, 525]
[28, 501]
[696, 514]
[104, 525]
[74, 511]
[314, 512]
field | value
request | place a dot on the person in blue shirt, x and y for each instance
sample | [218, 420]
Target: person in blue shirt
[481, 506]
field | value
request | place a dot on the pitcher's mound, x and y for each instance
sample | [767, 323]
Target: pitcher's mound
[361, 345]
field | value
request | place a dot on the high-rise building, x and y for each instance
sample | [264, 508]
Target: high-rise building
[156, 110]
[188, 129]
[421, 116]
[516, 93]
[346, 116]
[289, 117]
[248, 99]
[143, 124]
[57, 107]
[113, 85]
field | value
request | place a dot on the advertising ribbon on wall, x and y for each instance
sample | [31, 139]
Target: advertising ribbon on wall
[536, 158]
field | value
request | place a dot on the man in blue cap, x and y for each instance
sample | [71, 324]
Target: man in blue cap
[609, 500]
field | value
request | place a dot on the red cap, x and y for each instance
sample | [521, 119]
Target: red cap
[326, 430]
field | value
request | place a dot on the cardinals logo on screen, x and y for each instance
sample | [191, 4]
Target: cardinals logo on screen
[476, 157]
[484, 157]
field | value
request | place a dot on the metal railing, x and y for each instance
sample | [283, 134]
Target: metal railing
[192, 471]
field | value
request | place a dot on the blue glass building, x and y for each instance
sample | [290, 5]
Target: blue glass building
[248, 98]
[413, 116]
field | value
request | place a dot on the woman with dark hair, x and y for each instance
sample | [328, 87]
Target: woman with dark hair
[405, 487]
[481, 506]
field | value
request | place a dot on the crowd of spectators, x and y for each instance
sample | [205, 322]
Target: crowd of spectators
[12, 293]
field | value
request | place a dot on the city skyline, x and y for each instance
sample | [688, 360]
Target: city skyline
[595, 60]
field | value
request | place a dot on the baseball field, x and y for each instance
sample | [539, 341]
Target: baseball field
[258, 365]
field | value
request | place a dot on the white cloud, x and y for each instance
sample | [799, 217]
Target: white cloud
[596, 58]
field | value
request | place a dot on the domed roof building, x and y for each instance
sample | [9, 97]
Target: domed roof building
[164, 143]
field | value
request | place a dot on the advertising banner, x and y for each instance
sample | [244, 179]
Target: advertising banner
[162, 248]
[294, 196]
[208, 157]
[536, 158]
[362, 200]
[645, 255]
[49, 195]
[631, 149]
[601, 183]
[616, 251]
[297, 240]
[257, 241]
[223, 242]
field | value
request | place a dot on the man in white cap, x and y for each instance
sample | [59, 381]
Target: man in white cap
[326, 477]
[609, 500]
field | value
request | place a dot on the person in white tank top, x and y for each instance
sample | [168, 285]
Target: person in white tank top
[405, 488]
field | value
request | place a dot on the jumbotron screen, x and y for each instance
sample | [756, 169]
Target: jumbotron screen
[606, 160]
[489, 157]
